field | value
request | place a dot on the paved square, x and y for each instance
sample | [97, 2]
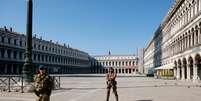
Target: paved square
[129, 89]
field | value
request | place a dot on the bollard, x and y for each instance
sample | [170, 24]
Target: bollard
[9, 84]
[22, 85]
[59, 83]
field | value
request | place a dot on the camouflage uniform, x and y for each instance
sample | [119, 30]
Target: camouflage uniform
[111, 83]
[43, 87]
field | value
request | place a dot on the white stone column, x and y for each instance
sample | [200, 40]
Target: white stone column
[183, 73]
[189, 41]
[191, 8]
[198, 37]
[192, 39]
[184, 42]
[195, 39]
[196, 8]
[175, 72]
[199, 5]
[195, 72]
[178, 73]
[188, 72]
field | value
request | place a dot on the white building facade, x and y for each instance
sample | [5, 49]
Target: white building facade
[56, 57]
[178, 41]
[125, 64]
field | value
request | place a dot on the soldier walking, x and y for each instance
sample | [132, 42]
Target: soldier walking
[111, 83]
[43, 84]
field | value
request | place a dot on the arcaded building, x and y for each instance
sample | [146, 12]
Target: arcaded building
[123, 64]
[177, 41]
[56, 57]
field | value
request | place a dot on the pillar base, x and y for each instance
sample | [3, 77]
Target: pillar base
[188, 79]
[178, 78]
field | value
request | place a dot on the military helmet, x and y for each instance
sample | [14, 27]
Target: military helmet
[111, 69]
[42, 67]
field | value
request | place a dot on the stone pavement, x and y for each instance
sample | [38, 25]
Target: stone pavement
[129, 89]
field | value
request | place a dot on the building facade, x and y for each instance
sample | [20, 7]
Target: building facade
[125, 64]
[58, 58]
[178, 41]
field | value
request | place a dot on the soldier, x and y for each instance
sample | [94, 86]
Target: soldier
[43, 85]
[111, 83]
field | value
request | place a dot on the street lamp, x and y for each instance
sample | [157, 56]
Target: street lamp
[27, 68]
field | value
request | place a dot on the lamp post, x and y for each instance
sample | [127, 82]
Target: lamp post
[27, 68]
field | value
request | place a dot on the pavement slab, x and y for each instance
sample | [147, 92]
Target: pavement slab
[129, 89]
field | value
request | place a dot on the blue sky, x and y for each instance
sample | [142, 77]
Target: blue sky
[94, 26]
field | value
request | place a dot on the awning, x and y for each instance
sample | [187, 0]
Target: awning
[168, 66]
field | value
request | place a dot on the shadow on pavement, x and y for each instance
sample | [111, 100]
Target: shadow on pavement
[127, 87]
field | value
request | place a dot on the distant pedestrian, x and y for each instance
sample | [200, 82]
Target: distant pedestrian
[43, 84]
[111, 83]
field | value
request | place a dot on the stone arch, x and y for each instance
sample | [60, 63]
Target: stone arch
[184, 67]
[175, 68]
[197, 59]
[175, 64]
[190, 63]
[198, 63]
[179, 68]
[200, 24]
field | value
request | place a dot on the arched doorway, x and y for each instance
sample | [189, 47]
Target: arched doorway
[129, 70]
[126, 70]
[175, 68]
[116, 70]
[123, 71]
[198, 63]
[119, 70]
[184, 67]
[190, 60]
[179, 69]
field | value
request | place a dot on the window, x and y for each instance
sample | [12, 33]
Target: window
[46, 58]
[9, 40]
[15, 54]
[38, 47]
[42, 57]
[20, 43]
[34, 46]
[50, 58]
[2, 53]
[42, 47]
[15, 42]
[38, 57]
[20, 55]
[2, 39]
[34, 57]
[9, 53]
